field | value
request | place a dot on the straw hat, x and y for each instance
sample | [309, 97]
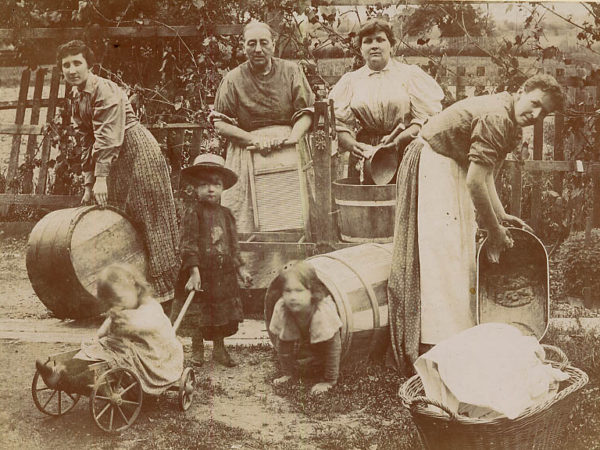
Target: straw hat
[209, 162]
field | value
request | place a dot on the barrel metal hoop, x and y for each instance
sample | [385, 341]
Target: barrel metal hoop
[363, 240]
[367, 203]
[341, 305]
[383, 247]
[368, 288]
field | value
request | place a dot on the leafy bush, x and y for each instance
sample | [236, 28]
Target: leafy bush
[579, 264]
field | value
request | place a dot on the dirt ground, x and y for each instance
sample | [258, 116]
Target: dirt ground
[233, 408]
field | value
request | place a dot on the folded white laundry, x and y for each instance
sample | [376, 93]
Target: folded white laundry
[488, 371]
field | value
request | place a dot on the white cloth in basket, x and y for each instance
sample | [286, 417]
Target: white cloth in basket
[488, 371]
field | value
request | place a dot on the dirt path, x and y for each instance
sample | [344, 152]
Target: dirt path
[233, 408]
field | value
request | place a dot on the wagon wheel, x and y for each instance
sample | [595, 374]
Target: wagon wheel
[187, 384]
[116, 400]
[51, 401]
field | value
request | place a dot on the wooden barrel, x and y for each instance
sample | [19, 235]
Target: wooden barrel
[366, 212]
[356, 278]
[68, 248]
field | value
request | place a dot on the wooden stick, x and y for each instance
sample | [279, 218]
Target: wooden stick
[186, 305]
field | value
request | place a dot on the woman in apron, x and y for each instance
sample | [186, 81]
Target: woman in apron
[264, 108]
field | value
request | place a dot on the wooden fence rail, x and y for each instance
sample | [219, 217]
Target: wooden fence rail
[586, 96]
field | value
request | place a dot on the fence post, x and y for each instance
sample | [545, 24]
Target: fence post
[516, 184]
[32, 138]
[536, 189]
[559, 150]
[47, 145]
[321, 143]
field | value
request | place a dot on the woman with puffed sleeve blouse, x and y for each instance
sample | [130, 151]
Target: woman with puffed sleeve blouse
[383, 102]
[122, 163]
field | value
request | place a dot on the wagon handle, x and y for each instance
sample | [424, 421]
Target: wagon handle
[420, 399]
[563, 361]
[184, 309]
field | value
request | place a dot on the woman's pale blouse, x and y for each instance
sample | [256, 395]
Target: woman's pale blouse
[380, 100]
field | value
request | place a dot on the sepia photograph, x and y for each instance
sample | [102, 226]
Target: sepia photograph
[299, 224]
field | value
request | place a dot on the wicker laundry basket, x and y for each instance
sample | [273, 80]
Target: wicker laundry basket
[538, 427]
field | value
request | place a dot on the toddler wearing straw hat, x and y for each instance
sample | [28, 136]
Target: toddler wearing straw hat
[211, 263]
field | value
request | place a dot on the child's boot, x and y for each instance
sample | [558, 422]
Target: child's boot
[221, 355]
[50, 374]
[197, 349]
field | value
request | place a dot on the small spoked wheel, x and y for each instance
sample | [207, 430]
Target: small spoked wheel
[116, 400]
[187, 384]
[51, 401]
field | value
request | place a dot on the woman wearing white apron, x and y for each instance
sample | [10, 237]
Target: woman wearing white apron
[264, 103]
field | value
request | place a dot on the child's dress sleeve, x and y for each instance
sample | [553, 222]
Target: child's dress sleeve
[330, 352]
[190, 234]
[285, 353]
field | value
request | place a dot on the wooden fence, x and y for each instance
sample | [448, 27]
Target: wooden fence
[586, 96]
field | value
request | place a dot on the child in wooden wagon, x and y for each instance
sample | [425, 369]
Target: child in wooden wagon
[307, 326]
[136, 335]
[211, 261]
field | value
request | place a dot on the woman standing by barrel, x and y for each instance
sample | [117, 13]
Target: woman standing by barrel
[122, 163]
[387, 101]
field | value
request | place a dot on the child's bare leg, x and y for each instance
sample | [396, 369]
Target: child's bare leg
[220, 353]
[197, 347]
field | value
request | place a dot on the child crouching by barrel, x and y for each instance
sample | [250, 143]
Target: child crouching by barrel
[211, 262]
[136, 335]
[307, 327]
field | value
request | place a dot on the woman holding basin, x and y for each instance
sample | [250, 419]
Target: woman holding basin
[385, 100]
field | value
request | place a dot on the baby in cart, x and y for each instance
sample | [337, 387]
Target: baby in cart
[136, 335]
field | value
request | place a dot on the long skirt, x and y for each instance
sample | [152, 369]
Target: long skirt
[271, 195]
[431, 284]
[139, 185]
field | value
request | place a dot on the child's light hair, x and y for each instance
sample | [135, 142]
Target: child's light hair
[306, 274]
[120, 273]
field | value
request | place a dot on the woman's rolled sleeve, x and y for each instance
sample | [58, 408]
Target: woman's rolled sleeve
[303, 98]
[425, 95]
[490, 140]
[108, 120]
[341, 94]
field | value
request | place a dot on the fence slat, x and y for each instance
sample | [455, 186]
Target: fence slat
[516, 184]
[46, 146]
[13, 163]
[32, 139]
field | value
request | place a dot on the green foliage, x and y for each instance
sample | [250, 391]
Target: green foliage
[579, 264]
[451, 19]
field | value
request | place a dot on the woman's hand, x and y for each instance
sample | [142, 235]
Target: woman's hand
[320, 388]
[363, 150]
[194, 282]
[101, 191]
[266, 145]
[498, 240]
[282, 380]
[516, 222]
[245, 276]
[87, 195]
